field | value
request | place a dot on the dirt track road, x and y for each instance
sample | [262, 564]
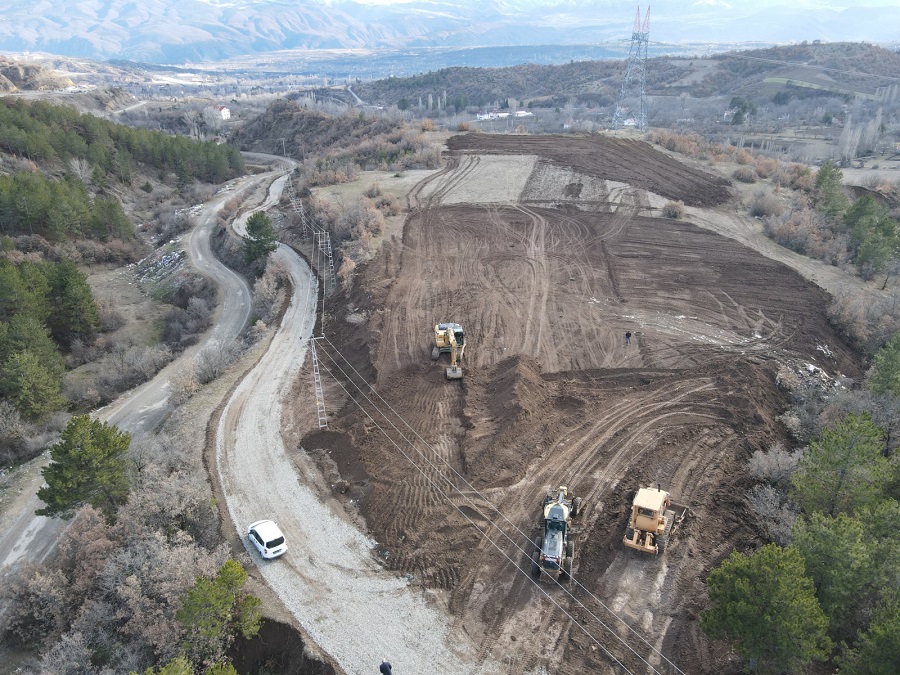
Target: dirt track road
[546, 273]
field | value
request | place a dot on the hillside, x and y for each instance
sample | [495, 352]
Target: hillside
[15, 76]
[858, 66]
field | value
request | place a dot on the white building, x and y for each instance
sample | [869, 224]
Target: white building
[224, 112]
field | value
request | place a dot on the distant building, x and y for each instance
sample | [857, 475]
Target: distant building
[523, 113]
[224, 112]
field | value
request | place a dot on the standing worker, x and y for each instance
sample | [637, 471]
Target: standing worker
[385, 668]
[627, 338]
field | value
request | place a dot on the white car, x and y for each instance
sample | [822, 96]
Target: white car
[267, 538]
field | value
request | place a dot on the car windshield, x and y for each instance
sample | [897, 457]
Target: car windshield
[278, 541]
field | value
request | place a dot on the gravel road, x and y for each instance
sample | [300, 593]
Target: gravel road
[329, 579]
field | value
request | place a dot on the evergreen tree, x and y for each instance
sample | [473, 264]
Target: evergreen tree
[25, 333]
[874, 235]
[74, 314]
[88, 467]
[886, 376]
[836, 552]
[829, 190]
[177, 666]
[214, 612]
[260, 239]
[844, 470]
[766, 604]
[877, 648]
[32, 387]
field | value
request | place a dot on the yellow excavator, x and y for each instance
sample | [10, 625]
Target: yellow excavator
[448, 337]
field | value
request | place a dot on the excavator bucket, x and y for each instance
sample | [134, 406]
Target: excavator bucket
[454, 373]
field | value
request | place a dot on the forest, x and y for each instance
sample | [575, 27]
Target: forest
[44, 132]
[64, 177]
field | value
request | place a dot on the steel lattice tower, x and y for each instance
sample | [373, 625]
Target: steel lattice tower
[633, 98]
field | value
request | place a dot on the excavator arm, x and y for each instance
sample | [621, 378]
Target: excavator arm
[454, 372]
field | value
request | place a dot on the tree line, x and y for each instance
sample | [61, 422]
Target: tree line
[873, 237]
[44, 308]
[31, 203]
[43, 132]
[829, 586]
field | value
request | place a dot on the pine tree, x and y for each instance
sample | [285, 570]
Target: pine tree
[260, 239]
[886, 378]
[88, 467]
[829, 190]
[32, 387]
[214, 612]
[837, 555]
[766, 604]
[74, 314]
[844, 470]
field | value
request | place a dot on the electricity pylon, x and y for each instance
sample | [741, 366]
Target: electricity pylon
[632, 105]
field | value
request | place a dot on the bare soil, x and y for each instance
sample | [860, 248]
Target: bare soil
[546, 274]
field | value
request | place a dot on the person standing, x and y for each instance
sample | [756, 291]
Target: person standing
[627, 338]
[385, 668]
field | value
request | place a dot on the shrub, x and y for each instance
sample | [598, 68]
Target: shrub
[743, 157]
[773, 513]
[673, 210]
[766, 203]
[766, 166]
[775, 466]
[745, 174]
[212, 361]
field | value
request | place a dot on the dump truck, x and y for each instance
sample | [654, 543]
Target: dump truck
[654, 518]
[554, 549]
[449, 337]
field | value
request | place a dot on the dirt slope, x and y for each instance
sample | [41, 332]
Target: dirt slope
[546, 273]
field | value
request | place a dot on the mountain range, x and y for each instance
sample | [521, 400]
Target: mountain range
[180, 31]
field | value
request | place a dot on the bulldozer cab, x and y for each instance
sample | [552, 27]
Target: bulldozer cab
[553, 550]
[648, 509]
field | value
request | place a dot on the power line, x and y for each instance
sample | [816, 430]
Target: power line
[464, 515]
[489, 503]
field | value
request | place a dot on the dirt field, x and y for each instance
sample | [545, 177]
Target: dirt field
[546, 251]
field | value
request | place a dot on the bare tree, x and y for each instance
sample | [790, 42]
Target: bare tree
[81, 168]
[774, 467]
[212, 361]
[773, 513]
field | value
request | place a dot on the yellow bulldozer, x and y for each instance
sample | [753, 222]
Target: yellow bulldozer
[654, 518]
[448, 337]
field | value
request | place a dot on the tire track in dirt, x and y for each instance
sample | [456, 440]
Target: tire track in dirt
[551, 394]
[626, 427]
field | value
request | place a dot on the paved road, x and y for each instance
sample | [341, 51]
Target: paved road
[144, 408]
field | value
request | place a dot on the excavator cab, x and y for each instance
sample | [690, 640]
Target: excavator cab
[449, 337]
